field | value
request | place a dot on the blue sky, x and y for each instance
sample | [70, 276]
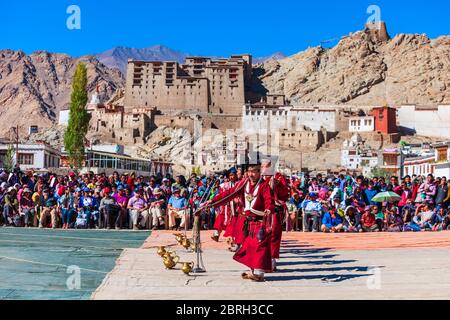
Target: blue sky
[217, 28]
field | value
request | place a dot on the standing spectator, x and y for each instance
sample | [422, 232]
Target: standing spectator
[427, 190]
[441, 193]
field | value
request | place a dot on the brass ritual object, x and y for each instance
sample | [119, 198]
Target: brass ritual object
[170, 262]
[187, 267]
[179, 237]
[186, 243]
[161, 251]
[169, 254]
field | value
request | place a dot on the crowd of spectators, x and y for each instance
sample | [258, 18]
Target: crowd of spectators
[126, 201]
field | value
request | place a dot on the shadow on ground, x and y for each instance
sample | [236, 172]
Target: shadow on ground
[302, 255]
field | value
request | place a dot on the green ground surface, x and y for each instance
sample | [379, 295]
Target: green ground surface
[34, 263]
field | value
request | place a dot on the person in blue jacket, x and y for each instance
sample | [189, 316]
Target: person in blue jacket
[331, 221]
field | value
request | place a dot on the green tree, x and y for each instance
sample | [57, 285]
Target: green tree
[380, 172]
[197, 170]
[8, 160]
[77, 128]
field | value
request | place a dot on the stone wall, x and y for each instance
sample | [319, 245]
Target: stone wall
[425, 121]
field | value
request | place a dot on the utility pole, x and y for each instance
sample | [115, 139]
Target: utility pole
[17, 144]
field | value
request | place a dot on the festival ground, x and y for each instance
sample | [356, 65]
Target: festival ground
[312, 266]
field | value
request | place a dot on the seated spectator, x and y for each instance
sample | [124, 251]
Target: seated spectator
[408, 216]
[368, 221]
[138, 209]
[87, 210]
[446, 221]
[352, 220]
[423, 217]
[122, 201]
[48, 208]
[177, 209]
[438, 218]
[331, 221]
[110, 210]
[157, 208]
[66, 205]
[293, 208]
[11, 207]
[312, 209]
[394, 221]
[27, 207]
[380, 216]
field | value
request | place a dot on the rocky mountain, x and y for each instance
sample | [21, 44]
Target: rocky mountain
[33, 88]
[366, 67]
[273, 56]
[118, 57]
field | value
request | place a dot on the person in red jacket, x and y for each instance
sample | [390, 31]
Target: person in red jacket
[258, 211]
[280, 192]
[368, 221]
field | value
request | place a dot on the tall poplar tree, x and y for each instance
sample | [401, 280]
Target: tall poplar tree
[77, 128]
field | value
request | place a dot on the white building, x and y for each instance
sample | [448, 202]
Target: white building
[268, 119]
[354, 158]
[361, 124]
[63, 119]
[33, 156]
[435, 161]
[425, 121]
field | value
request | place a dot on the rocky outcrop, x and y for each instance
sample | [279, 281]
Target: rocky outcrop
[364, 68]
[33, 88]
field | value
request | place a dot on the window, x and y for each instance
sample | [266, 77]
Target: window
[442, 154]
[26, 158]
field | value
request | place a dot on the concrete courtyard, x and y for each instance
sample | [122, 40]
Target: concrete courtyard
[312, 266]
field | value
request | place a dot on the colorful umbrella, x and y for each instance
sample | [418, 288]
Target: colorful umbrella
[387, 196]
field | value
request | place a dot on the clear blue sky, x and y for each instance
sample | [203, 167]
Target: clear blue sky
[205, 27]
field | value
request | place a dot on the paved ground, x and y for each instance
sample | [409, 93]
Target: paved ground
[35, 263]
[313, 266]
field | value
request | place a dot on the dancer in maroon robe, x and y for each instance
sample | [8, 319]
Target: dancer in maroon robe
[225, 214]
[257, 214]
